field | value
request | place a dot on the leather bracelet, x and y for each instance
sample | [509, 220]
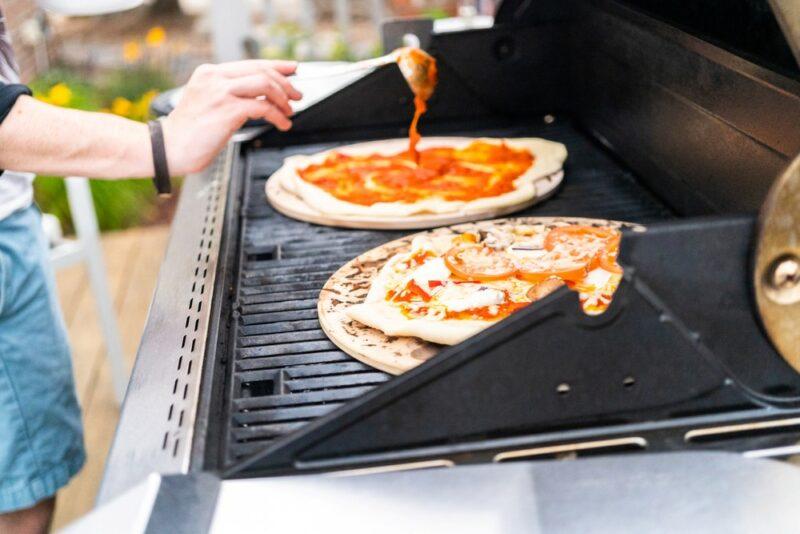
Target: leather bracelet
[160, 167]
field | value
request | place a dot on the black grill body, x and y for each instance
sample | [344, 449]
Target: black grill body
[279, 397]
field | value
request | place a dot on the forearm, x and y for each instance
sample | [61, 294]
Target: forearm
[37, 137]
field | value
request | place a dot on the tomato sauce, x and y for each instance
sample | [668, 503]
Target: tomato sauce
[479, 170]
[420, 107]
[411, 293]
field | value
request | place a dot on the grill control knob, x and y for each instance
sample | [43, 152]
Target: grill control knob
[783, 280]
[776, 274]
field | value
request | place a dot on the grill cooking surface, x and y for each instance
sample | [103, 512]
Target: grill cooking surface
[285, 371]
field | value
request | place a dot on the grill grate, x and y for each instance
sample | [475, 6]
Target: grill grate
[286, 372]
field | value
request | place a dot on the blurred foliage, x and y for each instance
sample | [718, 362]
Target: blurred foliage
[377, 50]
[341, 51]
[126, 92]
[61, 87]
[435, 13]
[133, 82]
[289, 40]
[119, 204]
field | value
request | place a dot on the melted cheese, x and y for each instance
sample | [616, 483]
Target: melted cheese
[432, 269]
[461, 297]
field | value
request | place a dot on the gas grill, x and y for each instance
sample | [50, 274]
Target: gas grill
[673, 118]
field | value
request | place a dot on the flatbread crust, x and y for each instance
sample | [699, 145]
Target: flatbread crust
[292, 206]
[342, 299]
[549, 159]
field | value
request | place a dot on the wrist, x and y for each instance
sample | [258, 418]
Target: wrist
[178, 164]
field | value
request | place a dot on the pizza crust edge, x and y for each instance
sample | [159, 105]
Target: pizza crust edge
[550, 157]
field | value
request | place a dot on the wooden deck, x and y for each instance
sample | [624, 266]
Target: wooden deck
[132, 260]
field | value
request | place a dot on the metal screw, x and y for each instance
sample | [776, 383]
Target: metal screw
[787, 274]
[782, 280]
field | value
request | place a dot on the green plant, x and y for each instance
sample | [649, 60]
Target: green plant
[341, 51]
[435, 13]
[376, 49]
[83, 95]
[132, 82]
[121, 203]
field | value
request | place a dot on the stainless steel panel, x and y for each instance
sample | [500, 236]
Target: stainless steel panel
[157, 420]
[654, 493]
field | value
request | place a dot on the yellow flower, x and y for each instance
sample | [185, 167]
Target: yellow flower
[156, 36]
[131, 52]
[121, 106]
[141, 108]
[59, 95]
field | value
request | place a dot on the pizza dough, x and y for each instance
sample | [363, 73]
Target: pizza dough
[296, 197]
[395, 345]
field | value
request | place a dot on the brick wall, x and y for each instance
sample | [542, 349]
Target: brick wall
[17, 12]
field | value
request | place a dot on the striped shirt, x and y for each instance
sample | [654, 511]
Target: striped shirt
[16, 188]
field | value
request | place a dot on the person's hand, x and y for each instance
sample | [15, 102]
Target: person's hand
[217, 101]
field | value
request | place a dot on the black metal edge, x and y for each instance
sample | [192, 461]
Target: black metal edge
[208, 440]
[657, 436]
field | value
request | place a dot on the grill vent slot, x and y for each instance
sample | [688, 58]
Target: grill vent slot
[192, 322]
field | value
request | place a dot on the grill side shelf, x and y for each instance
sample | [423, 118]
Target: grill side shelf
[156, 425]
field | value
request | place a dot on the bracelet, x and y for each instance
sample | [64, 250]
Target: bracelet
[160, 167]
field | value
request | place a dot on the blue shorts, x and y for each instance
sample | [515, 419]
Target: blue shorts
[41, 439]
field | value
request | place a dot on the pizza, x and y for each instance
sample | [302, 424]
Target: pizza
[448, 175]
[447, 288]
[403, 178]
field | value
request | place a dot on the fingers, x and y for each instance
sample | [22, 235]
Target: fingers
[262, 109]
[257, 85]
[253, 89]
[288, 88]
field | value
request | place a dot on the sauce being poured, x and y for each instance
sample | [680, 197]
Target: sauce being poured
[419, 70]
[420, 107]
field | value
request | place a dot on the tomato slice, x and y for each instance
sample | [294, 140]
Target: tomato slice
[580, 236]
[608, 261]
[568, 268]
[480, 264]
[598, 246]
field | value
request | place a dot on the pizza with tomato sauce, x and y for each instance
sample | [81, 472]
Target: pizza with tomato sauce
[402, 178]
[448, 175]
[446, 289]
